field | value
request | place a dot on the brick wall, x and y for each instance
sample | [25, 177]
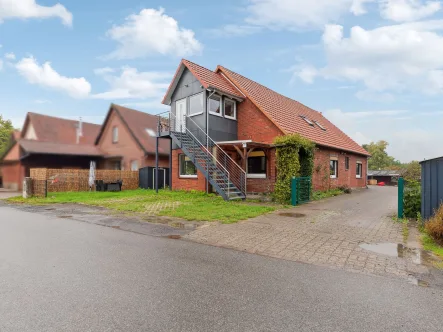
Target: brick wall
[321, 177]
[179, 183]
[254, 125]
[13, 176]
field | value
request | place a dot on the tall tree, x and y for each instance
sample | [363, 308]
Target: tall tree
[412, 171]
[6, 129]
[380, 158]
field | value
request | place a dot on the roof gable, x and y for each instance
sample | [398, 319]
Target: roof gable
[287, 113]
[208, 79]
[140, 126]
[46, 128]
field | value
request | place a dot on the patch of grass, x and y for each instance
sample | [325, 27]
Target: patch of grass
[193, 205]
[429, 244]
[318, 195]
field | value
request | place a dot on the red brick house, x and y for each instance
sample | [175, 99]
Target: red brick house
[223, 125]
[126, 140]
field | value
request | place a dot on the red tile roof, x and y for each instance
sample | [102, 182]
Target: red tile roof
[39, 147]
[285, 114]
[208, 79]
[138, 124]
[58, 130]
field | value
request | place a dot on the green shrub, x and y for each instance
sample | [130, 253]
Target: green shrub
[434, 226]
[294, 157]
[412, 199]
[345, 189]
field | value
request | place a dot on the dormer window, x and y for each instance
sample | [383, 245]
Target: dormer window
[320, 126]
[115, 135]
[230, 109]
[307, 120]
[150, 132]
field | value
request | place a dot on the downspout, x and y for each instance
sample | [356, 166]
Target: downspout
[207, 134]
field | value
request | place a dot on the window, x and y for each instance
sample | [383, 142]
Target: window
[257, 165]
[117, 165]
[134, 165]
[230, 109]
[187, 167]
[359, 170]
[196, 104]
[151, 132]
[214, 105]
[320, 126]
[114, 134]
[307, 120]
[333, 167]
[347, 163]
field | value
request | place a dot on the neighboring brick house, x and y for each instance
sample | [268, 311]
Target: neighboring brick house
[243, 118]
[126, 140]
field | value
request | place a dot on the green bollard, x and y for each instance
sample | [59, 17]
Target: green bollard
[294, 191]
[401, 186]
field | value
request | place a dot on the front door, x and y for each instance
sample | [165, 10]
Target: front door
[180, 114]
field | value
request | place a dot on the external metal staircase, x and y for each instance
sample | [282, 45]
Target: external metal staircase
[222, 172]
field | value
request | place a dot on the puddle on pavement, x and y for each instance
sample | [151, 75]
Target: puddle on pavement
[292, 215]
[64, 217]
[50, 209]
[417, 282]
[417, 256]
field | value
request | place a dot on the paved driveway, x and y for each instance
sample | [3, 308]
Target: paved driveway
[329, 232]
[8, 193]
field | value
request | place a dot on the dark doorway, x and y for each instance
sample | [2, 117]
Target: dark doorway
[147, 176]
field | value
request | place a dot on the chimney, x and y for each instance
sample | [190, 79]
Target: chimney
[79, 130]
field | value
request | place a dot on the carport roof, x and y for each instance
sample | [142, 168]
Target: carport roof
[37, 147]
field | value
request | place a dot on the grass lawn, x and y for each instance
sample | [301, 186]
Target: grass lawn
[189, 205]
[430, 245]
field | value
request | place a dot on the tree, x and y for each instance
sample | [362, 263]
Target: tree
[6, 129]
[380, 158]
[412, 171]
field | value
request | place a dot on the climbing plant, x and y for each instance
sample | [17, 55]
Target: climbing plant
[294, 157]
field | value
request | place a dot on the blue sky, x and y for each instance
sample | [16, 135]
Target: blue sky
[373, 67]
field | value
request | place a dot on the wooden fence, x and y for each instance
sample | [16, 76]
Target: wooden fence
[61, 180]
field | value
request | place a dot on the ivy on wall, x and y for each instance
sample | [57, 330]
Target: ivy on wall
[294, 157]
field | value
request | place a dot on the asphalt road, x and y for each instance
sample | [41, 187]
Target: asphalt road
[65, 275]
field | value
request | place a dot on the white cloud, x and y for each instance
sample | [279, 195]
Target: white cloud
[104, 71]
[149, 32]
[233, 30]
[30, 9]
[45, 75]
[10, 56]
[1, 64]
[133, 84]
[408, 10]
[307, 74]
[296, 14]
[398, 58]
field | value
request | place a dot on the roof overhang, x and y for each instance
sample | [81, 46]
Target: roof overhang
[221, 92]
[245, 144]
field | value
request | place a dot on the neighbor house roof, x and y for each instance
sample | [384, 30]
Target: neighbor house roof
[385, 172]
[38, 147]
[287, 113]
[208, 79]
[53, 129]
[142, 126]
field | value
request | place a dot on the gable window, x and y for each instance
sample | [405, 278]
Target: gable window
[115, 135]
[134, 165]
[257, 165]
[359, 170]
[230, 109]
[347, 163]
[214, 103]
[333, 168]
[187, 167]
[196, 104]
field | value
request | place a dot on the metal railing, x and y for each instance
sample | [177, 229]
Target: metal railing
[168, 122]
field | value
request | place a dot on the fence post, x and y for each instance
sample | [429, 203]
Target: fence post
[401, 185]
[294, 191]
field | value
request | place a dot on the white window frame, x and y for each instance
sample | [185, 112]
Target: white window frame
[132, 165]
[184, 176]
[221, 106]
[190, 108]
[115, 134]
[359, 176]
[333, 176]
[235, 109]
